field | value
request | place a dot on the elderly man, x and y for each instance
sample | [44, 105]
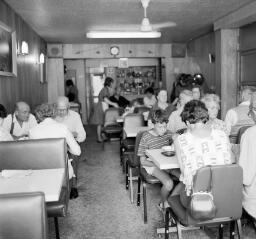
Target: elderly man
[175, 123]
[238, 116]
[19, 123]
[70, 118]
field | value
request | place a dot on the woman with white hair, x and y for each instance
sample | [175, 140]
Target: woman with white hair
[212, 103]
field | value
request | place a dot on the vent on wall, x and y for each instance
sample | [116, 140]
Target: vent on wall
[54, 50]
[178, 50]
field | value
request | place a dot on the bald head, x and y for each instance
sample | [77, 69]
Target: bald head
[22, 111]
[62, 106]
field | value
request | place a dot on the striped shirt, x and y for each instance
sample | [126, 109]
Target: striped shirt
[150, 141]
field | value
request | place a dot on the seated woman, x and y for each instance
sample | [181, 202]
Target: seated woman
[197, 147]
[162, 105]
[149, 100]
[154, 139]
[248, 163]
[4, 134]
[212, 103]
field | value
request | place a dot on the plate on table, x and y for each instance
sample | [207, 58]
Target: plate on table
[168, 153]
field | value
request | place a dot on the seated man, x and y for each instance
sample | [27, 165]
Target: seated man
[19, 123]
[70, 118]
[175, 123]
[153, 139]
[49, 128]
[238, 116]
[4, 134]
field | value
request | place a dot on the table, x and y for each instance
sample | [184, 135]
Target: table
[48, 181]
[132, 132]
[161, 161]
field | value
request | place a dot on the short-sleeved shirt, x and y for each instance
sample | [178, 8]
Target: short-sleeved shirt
[103, 93]
[19, 130]
[150, 141]
[5, 135]
[196, 152]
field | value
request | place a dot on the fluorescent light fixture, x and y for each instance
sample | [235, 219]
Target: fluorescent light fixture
[118, 34]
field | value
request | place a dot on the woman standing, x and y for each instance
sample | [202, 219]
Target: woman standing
[102, 106]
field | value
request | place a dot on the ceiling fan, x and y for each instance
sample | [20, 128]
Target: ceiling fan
[145, 24]
[144, 28]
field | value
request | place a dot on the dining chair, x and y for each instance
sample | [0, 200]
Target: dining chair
[132, 163]
[23, 215]
[111, 127]
[241, 132]
[127, 144]
[143, 178]
[40, 154]
[226, 187]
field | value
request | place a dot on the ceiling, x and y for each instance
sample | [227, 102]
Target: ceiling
[67, 21]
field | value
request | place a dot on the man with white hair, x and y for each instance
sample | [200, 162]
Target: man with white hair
[175, 123]
[19, 123]
[70, 118]
[238, 116]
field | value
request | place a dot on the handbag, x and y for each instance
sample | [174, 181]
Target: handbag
[201, 206]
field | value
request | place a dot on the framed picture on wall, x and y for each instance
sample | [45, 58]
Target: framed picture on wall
[8, 51]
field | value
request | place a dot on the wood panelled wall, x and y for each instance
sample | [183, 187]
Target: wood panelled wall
[26, 86]
[198, 51]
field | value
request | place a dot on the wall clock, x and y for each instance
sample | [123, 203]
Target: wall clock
[114, 50]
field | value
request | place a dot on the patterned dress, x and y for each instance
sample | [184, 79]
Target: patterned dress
[197, 152]
[218, 124]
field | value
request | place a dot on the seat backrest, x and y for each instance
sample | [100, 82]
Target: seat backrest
[240, 133]
[136, 159]
[33, 154]
[111, 115]
[141, 109]
[133, 120]
[23, 215]
[226, 187]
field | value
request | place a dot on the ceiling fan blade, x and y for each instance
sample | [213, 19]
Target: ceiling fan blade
[163, 25]
[125, 27]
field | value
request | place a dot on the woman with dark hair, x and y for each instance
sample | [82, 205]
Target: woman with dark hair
[4, 134]
[149, 100]
[197, 147]
[102, 106]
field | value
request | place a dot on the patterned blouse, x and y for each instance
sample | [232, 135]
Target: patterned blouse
[198, 152]
[218, 124]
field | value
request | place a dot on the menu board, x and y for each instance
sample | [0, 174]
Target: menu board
[134, 80]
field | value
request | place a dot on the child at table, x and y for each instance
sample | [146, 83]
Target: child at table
[156, 138]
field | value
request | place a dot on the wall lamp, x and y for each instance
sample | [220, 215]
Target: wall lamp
[24, 48]
[41, 58]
